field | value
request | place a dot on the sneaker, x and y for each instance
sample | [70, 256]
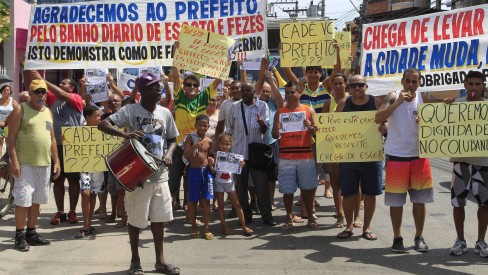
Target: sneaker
[58, 218]
[458, 248]
[72, 217]
[255, 208]
[398, 245]
[420, 245]
[35, 239]
[20, 243]
[481, 248]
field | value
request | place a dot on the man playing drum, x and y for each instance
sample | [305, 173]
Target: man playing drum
[150, 123]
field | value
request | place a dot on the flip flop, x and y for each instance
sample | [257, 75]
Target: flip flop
[248, 232]
[345, 234]
[81, 234]
[208, 236]
[196, 234]
[357, 224]
[288, 225]
[135, 268]
[168, 269]
[297, 219]
[370, 236]
[313, 225]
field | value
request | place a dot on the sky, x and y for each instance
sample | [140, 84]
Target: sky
[341, 10]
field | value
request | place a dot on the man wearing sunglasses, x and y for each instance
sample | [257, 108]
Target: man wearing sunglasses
[189, 103]
[67, 111]
[31, 145]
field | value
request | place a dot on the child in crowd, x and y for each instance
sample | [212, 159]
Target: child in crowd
[224, 183]
[90, 183]
[200, 178]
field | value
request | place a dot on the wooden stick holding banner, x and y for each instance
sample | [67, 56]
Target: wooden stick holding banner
[348, 137]
[203, 52]
[84, 148]
[453, 130]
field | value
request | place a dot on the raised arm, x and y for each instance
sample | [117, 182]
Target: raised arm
[337, 68]
[275, 91]
[58, 92]
[242, 71]
[174, 70]
[262, 74]
[167, 92]
[113, 86]
[388, 107]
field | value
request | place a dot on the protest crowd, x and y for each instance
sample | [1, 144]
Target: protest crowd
[212, 143]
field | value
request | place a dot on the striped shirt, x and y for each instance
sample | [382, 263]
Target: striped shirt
[315, 99]
[234, 125]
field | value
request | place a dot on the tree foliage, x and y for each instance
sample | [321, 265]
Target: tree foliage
[5, 28]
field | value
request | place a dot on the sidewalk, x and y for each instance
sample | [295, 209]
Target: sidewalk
[271, 251]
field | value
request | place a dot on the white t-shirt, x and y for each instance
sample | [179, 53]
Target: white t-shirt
[225, 109]
[158, 126]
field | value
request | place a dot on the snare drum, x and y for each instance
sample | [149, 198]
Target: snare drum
[130, 164]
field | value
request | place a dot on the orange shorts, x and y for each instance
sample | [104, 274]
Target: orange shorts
[412, 175]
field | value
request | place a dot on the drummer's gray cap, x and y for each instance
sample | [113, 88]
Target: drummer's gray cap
[146, 79]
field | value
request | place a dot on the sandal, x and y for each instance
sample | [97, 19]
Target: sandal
[345, 234]
[208, 236]
[228, 231]
[370, 236]
[288, 225]
[135, 268]
[92, 231]
[313, 225]
[297, 219]
[314, 217]
[168, 269]
[121, 223]
[82, 233]
[248, 232]
[357, 224]
[196, 234]
[110, 219]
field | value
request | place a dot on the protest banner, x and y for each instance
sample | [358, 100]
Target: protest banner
[85, 148]
[96, 85]
[344, 41]
[204, 52]
[307, 43]
[251, 64]
[444, 46]
[154, 70]
[126, 82]
[459, 129]
[205, 82]
[129, 33]
[348, 137]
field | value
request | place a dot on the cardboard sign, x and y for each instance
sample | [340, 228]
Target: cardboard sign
[204, 52]
[85, 148]
[459, 129]
[348, 137]
[307, 43]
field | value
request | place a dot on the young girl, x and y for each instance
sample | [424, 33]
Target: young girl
[224, 183]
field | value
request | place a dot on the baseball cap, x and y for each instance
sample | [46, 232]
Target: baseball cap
[38, 84]
[145, 80]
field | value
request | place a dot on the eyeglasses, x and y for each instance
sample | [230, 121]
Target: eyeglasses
[194, 85]
[357, 85]
[38, 92]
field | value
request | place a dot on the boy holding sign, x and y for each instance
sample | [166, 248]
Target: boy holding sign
[296, 168]
[470, 174]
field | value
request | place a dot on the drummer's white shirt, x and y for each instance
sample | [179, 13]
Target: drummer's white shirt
[158, 127]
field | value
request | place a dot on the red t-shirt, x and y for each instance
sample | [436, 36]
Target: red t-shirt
[76, 100]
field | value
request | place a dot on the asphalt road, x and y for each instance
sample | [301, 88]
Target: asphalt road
[271, 251]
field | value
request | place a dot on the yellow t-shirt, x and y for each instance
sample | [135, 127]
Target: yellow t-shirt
[34, 137]
[186, 109]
